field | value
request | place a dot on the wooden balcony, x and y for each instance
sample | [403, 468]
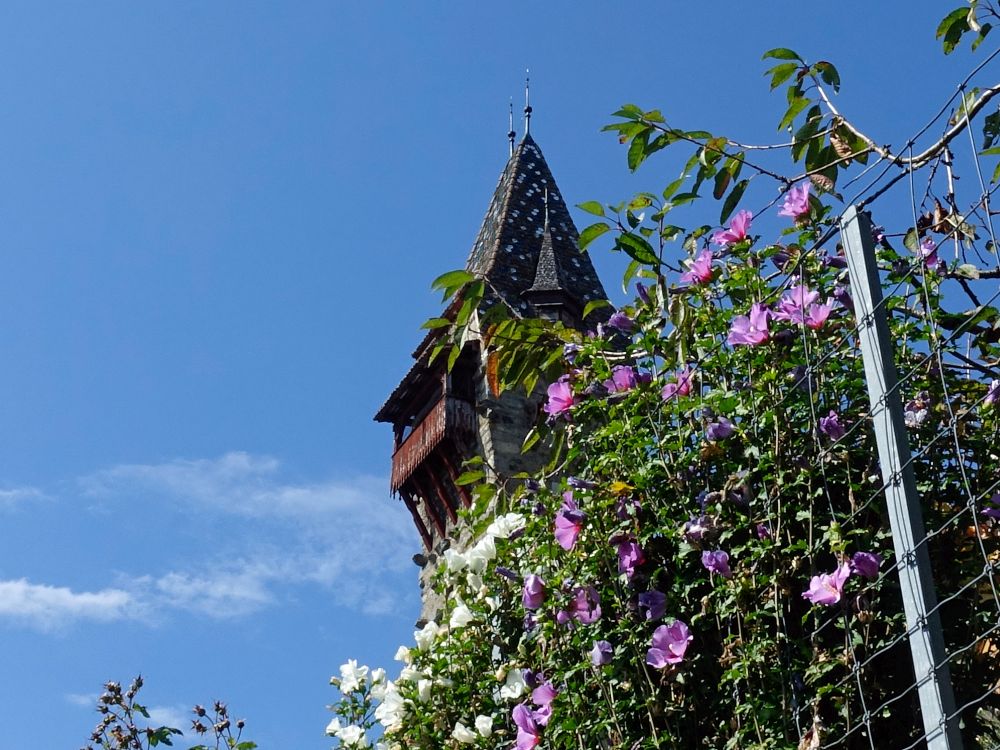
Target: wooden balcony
[449, 417]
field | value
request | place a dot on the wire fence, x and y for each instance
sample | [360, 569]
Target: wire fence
[926, 671]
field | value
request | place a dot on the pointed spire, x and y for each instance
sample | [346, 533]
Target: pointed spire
[527, 103]
[511, 134]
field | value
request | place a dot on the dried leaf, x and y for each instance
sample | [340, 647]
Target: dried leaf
[492, 375]
[813, 738]
[841, 146]
[823, 183]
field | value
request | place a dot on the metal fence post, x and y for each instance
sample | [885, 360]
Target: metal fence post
[937, 701]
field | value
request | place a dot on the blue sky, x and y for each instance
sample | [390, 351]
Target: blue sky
[218, 224]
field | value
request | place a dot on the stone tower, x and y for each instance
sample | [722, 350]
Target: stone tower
[527, 251]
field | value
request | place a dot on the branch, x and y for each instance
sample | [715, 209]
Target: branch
[915, 162]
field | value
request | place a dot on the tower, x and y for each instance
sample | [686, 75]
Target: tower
[527, 252]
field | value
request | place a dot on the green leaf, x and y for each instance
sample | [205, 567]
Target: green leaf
[591, 233]
[952, 27]
[911, 241]
[991, 129]
[781, 73]
[628, 111]
[591, 207]
[637, 248]
[722, 180]
[733, 200]
[594, 304]
[828, 73]
[967, 271]
[682, 198]
[630, 272]
[453, 356]
[451, 281]
[781, 53]
[531, 439]
[672, 188]
[436, 323]
[637, 150]
[986, 29]
[470, 477]
[798, 104]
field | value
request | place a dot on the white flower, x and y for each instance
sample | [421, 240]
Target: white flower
[403, 655]
[390, 712]
[492, 602]
[455, 561]
[381, 689]
[484, 725]
[352, 677]
[410, 674]
[513, 686]
[426, 635]
[378, 675]
[352, 736]
[484, 551]
[505, 525]
[424, 690]
[461, 616]
[463, 734]
[474, 581]
[333, 727]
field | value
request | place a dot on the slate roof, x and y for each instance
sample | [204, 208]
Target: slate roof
[516, 250]
[509, 243]
[548, 271]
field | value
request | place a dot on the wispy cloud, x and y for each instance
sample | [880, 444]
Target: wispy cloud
[232, 536]
[342, 534]
[12, 497]
[177, 716]
[49, 607]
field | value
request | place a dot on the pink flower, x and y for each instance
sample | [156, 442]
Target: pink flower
[737, 231]
[831, 427]
[586, 606]
[818, 314]
[993, 394]
[528, 731]
[866, 564]
[569, 522]
[717, 561]
[630, 557]
[623, 378]
[827, 588]
[699, 270]
[560, 398]
[928, 251]
[681, 387]
[669, 644]
[534, 592]
[751, 330]
[796, 203]
[799, 306]
[542, 696]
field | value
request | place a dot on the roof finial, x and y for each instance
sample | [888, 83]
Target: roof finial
[527, 105]
[511, 134]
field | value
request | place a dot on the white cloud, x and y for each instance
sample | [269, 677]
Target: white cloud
[344, 535]
[11, 497]
[177, 717]
[83, 700]
[49, 607]
[248, 539]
